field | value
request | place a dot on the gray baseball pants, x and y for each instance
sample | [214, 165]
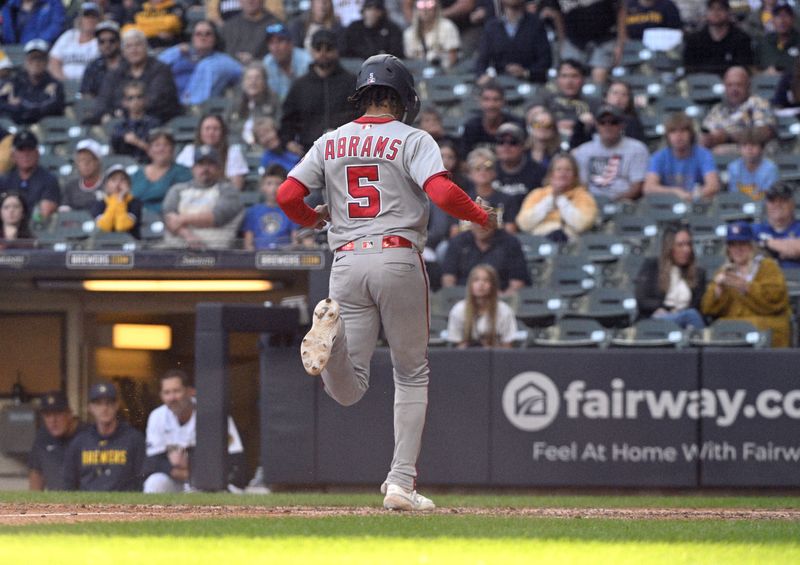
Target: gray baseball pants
[389, 286]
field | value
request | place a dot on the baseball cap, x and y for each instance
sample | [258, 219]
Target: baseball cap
[739, 231]
[118, 168]
[609, 110]
[373, 4]
[91, 146]
[781, 6]
[25, 139]
[107, 25]
[102, 391]
[90, 8]
[780, 190]
[323, 37]
[37, 45]
[206, 153]
[276, 29]
[510, 129]
[54, 401]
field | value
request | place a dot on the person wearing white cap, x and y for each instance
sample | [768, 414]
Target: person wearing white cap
[33, 94]
[82, 192]
[76, 47]
[24, 21]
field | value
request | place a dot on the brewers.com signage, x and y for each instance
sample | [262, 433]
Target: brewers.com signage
[99, 260]
[289, 260]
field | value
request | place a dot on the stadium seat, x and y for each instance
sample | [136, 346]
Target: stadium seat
[570, 333]
[56, 164]
[539, 307]
[111, 240]
[730, 333]
[443, 300]
[710, 263]
[671, 104]
[602, 247]
[611, 307]
[788, 130]
[731, 206]
[73, 224]
[788, 166]
[705, 227]
[183, 128]
[663, 207]
[58, 130]
[644, 86]
[537, 247]
[448, 90]
[438, 331]
[638, 231]
[764, 85]
[152, 228]
[704, 88]
[569, 281]
[651, 333]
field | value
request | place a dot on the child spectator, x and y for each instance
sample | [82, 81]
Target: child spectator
[752, 173]
[129, 136]
[265, 226]
[266, 135]
[119, 211]
[481, 319]
[83, 192]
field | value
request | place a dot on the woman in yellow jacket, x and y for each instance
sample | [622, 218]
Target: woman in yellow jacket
[561, 209]
[749, 287]
[119, 211]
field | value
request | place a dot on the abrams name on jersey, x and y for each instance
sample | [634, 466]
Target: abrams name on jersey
[368, 146]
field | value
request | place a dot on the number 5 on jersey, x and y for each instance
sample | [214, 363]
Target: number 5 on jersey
[364, 199]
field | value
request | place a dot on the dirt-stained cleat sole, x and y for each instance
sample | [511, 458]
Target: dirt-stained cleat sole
[315, 351]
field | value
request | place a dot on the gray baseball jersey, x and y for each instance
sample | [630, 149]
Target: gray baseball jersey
[373, 171]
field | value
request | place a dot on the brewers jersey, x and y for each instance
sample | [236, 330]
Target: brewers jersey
[105, 463]
[357, 162]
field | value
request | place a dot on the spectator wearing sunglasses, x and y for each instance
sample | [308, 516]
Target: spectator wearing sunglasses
[611, 164]
[517, 174]
[129, 136]
[108, 45]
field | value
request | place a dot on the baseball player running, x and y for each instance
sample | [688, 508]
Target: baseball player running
[378, 173]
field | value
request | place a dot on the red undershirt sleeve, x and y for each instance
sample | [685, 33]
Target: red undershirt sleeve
[452, 199]
[290, 197]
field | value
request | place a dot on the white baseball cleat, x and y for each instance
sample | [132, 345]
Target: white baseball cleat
[315, 351]
[398, 498]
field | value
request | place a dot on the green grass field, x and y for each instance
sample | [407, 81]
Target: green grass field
[395, 538]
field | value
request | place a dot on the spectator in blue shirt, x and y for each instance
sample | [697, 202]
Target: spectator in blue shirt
[780, 234]
[284, 62]
[683, 167]
[752, 174]
[40, 19]
[201, 69]
[265, 225]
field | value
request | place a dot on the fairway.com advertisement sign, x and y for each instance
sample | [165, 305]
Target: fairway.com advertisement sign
[648, 418]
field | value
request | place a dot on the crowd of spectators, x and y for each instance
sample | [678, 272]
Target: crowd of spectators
[259, 84]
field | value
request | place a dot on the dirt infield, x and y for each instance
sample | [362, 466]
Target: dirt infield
[23, 514]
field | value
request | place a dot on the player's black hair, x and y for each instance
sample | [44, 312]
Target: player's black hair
[377, 95]
[186, 380]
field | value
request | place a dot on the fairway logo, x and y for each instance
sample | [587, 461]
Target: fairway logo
[530, 401]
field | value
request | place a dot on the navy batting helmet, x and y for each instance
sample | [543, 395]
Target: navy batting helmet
[388, 70]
